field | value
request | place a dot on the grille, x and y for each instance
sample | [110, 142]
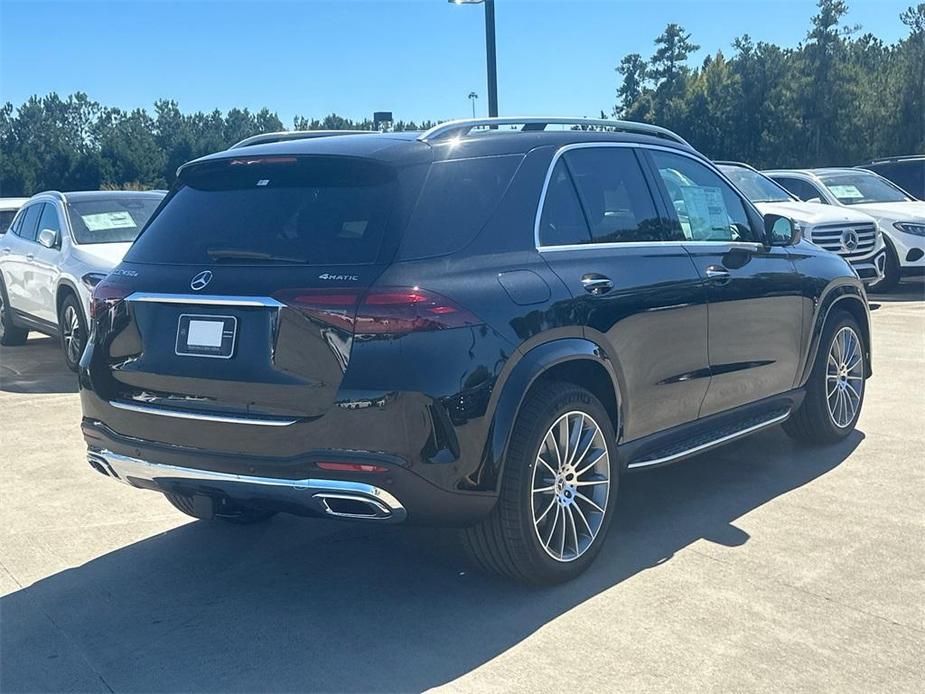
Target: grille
[831, 238]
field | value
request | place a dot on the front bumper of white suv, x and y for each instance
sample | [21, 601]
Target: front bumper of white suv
[861, 244]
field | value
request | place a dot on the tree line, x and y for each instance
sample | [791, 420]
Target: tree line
[839, 97]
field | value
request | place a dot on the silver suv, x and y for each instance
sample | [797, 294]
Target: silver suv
[59, 246]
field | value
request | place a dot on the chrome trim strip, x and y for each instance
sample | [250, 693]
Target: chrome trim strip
[463, 126]
[201, 417]
[709, 444]
[631, 244]
[203, 299]
[124, 467]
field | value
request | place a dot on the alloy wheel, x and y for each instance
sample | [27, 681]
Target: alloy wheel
[570, 486]
[844, 380]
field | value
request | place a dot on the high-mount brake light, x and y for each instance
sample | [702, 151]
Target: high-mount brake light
[251, 161]
[380, 311]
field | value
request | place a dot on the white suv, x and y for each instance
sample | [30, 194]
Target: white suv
[852, 235]
[900, 216]
[59, 246]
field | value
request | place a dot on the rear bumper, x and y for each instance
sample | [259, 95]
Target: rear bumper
[292, 485]
[324, 497]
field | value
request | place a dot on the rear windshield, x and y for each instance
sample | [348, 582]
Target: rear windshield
[110, 220]
[908, 175]
[270, 210]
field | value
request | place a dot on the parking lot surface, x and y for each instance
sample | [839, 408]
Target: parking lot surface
[762, 566]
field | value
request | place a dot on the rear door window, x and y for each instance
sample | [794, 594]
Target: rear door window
[563, 222]
[269, 210]
[616, 199]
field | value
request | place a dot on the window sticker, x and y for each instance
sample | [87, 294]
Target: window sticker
[707, 215]
[108, 220]
[846, 192]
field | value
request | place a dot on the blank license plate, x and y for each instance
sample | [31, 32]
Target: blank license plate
[206, 336]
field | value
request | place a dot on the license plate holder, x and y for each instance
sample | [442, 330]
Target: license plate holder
[206, 336]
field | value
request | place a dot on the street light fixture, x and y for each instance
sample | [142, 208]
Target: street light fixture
[472, 97]
[489, 51]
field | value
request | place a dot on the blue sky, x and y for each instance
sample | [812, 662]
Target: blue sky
[417, 58]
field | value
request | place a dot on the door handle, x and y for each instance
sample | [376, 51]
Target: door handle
[30, 256]
[596, 284]
[718, 273]
[5, 251]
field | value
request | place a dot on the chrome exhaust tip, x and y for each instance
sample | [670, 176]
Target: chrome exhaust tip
[353, 506]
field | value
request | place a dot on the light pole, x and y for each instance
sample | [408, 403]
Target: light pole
[472, 97]
[489, 51]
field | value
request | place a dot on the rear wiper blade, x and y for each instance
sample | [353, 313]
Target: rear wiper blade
[233, 255]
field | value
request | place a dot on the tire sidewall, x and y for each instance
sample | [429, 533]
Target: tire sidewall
[69, 300]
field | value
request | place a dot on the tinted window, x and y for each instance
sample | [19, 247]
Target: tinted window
[49, 220]
[755, 186]
[908, 175]
[307, 210]
[707, 207]
[861, 187]
[110, 220]
[457, 200]
[802, 189]
[615, 196]
[30, 222]
[6, 218]
[562, 222]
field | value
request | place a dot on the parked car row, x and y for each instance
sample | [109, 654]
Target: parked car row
[482, 325]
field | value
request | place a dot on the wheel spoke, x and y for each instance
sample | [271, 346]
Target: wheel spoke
[571, 518]
[579, 473]
[574, 439]
[590, 483]
[546, 512]
[555, 522]
[583, 519]
[581, 496]
[543, 490]
[540, 460]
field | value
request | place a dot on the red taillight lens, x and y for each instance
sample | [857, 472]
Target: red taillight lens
[380, 311]
[107, 294]
[352, 467]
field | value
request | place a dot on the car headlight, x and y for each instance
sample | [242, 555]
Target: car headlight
[910, 228]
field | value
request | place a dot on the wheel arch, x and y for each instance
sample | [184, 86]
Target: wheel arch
[847, 298]
[575, 360]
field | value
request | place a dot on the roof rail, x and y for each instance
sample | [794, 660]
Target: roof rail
[286, 135]
[460, 128]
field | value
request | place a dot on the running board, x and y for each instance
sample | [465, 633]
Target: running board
[716, 438]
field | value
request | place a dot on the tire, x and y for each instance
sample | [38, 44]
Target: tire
[10, 333]
[72, 331]
[509, 542]
[892, 272]
[218, 509]
[825, 415]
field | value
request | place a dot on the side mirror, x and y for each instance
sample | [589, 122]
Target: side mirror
[781, 231]
[48, 238]
[816, 200]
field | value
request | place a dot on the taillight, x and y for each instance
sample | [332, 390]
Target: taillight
[107, 294]
[380, 311]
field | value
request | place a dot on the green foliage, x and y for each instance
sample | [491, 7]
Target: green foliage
[837, 98]
[77, 144]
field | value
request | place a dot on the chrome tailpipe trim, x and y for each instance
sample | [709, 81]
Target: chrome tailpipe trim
[339, 498]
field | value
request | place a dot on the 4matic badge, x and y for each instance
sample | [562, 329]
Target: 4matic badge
[339, 278]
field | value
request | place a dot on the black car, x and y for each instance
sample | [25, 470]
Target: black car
[908, 172]
[482, 326]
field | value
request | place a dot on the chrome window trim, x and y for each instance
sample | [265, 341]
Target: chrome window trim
[200, 417]
[632, 244]
[203, 299]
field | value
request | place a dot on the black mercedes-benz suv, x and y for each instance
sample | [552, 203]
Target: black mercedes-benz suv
[484, 325]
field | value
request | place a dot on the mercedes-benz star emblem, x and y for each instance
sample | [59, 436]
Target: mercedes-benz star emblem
[201, 280]
[850, 240]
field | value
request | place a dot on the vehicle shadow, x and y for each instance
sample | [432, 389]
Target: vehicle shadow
[300, 605]
[35, 367]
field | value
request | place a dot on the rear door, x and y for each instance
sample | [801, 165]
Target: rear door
[755, 292]
[635, 288]
[18, 250]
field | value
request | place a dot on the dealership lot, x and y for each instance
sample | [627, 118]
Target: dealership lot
[759, 566]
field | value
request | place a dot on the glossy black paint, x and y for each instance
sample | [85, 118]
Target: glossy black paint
[664, 349]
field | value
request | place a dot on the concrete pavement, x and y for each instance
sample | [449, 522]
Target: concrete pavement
[761, 567]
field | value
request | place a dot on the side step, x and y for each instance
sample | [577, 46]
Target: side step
[717, 437]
